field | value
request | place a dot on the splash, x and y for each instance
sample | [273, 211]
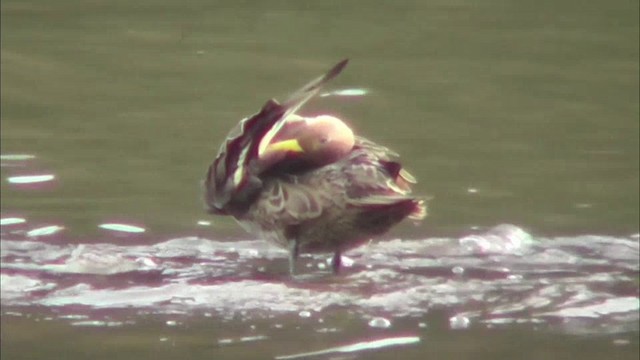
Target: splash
[500, 277]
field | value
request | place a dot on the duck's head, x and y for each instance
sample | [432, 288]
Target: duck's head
[317, 141]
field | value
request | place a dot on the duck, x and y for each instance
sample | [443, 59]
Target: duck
[308, 184]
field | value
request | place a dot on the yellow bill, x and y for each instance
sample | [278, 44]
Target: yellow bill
[291, 145]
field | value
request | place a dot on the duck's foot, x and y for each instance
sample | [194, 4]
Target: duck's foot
[336, 262]
[294, 251]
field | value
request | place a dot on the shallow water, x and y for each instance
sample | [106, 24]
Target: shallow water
[394, 293]
[520, 121]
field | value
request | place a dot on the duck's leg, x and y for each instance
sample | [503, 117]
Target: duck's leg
[336, 261]
[293, 256]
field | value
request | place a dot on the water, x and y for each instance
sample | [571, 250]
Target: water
[521, 121]
[502, 279]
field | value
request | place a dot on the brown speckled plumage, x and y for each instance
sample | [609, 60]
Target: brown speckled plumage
[296, 198]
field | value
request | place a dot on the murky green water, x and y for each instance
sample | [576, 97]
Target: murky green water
[507, 113]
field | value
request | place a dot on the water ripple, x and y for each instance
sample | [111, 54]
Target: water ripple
[500, 277]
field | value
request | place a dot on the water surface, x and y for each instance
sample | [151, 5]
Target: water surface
[519, 120]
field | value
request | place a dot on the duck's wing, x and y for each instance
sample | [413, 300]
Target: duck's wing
[232, 183]
[362, 182]
[387, 158]
[289, 203]
[382, 152]
[376, 184]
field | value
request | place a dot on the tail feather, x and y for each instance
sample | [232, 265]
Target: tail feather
[419, 212]
[379, 213]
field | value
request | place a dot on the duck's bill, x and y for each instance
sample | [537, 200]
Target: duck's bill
[291, 145]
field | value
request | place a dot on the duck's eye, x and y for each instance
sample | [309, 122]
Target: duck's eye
[324, 140]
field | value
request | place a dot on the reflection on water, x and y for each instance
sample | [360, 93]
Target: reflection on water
[30, 179]
[368, 345]
[11, 221]
[123, 228]
[346, 92]
[44, 231]
[15, 157]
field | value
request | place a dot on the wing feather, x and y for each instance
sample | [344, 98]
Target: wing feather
[288, 204]
[231, 181]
